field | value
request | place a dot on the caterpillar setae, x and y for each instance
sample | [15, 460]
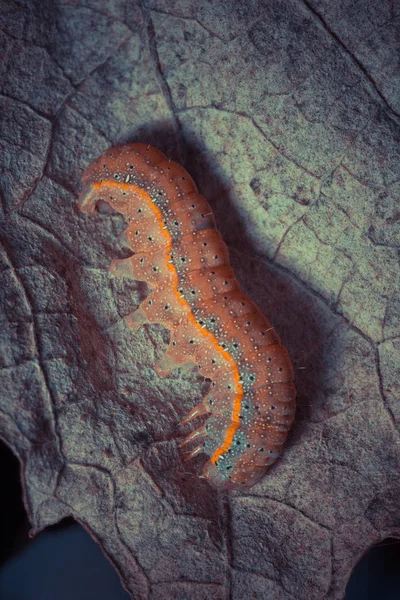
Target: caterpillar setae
[180, 254]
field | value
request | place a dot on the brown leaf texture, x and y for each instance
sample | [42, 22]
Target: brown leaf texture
[286, 115]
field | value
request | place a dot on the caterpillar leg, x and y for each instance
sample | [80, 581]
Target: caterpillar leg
[196, 434]
[124, 241]
[173, 358]
[197, 411]
[193, 453]
[122, 267]
[168, 363]
[136, 319]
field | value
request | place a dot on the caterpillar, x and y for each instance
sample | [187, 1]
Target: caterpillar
[179, 253]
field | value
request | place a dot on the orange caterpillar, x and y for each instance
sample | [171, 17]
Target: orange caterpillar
[180, 254]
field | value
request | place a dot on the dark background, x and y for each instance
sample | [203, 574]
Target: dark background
[64, 562]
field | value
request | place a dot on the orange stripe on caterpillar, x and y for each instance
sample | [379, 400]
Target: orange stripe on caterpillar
[182, 257]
